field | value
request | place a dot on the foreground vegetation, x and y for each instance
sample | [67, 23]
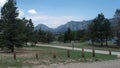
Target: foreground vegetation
[26, 57]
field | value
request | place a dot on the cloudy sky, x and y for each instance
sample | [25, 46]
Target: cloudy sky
[57, 12]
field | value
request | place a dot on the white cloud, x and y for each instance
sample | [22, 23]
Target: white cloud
[2, 2]
[21, 14]
[51, 21]
[32, 11]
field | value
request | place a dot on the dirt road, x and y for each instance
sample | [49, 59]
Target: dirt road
[79, 49]
[103, 64]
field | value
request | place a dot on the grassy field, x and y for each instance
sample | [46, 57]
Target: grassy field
[87, 45]
[26, 57]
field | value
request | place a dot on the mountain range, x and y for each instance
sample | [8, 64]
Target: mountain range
[73, 25]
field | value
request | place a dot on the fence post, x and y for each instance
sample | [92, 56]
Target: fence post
[110, 52]
[68, 53]
[54, 54]
[36, 55]
[83, 53]
[14, 55]
[72, 43]
[93, 52]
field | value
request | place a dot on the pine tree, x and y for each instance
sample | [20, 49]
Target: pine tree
[99, 27]
[117, 21]
[30, 31]
[1, 34]
[80, 34]
[35, 37]
[100, 30]
[25, 21]
[12, 32]
[91, 32]
[107, 31]
[67, 35]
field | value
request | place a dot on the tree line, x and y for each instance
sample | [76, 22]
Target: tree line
[70, 35]
[100, 30]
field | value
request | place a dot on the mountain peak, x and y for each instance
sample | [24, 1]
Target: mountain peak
[43, 27]
[73, 25]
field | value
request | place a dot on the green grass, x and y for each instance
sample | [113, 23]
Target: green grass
[75, 54]
[62, 54]
[8, 61]
[45, 57]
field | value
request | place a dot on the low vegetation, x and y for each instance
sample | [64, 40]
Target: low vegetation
[26, 57]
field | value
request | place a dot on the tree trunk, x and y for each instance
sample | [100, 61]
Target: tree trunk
[92, 42]
[35, 43]
[106, 43]
[26, 43]
[12, 49]
[106, 40]
[101, 42]
[32, 44]
[118, 40]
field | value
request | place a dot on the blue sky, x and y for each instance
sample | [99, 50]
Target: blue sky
[57, 12]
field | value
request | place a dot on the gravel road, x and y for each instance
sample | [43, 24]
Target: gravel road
[103, 64]
[79, 49]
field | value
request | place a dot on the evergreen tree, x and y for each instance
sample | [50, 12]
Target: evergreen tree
[9, 14]
[49, 37]
[91, 32]
[74, 35]
[25, 21]
[80, 34]
[107, 31]
[41, 35]
[61, 38]
[1, 34]
[30, 31]
[67, 35]
[45, 36]
[117, 21]
[35, 37]
[100, 30]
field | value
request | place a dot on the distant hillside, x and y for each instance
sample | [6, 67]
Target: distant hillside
[43, 27]
[73, 25]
